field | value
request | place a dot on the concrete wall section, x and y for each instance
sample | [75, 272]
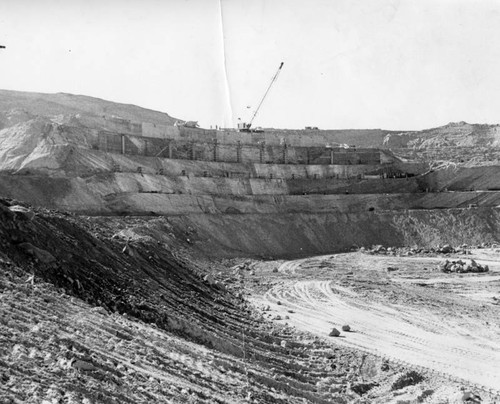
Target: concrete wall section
[294, 138]
[111, 124]
[210, 150]
[197, 135]
[305, 138]
[160, 131]
[83, 163]
[290, 171]
[80, 161]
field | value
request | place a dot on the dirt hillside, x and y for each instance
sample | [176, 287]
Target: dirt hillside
[16, 106]
[93, 312]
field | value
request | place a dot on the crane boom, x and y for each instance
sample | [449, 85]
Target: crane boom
[246, 126]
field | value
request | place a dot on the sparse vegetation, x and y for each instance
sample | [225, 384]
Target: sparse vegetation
[426, 393]
[408, 379]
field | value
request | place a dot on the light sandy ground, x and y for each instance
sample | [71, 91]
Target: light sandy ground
[441, 323]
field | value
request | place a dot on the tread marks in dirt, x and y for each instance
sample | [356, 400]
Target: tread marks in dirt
[390, 331]
[92, 266]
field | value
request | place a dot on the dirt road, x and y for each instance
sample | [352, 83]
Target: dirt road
[441, 323]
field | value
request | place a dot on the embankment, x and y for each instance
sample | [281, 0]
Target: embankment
[138, 194]
[305, 234]
[465, 178]
[231, 217]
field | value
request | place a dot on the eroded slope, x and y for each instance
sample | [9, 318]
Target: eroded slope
[160, 330]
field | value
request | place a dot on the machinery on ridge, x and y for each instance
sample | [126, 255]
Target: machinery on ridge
[247, 127]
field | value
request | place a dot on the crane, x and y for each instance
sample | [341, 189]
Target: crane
[246, 127]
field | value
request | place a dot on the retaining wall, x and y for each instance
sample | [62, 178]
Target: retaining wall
[210, 150]
[83, 162]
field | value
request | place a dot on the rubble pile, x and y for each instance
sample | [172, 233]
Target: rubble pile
[462, 266]
[408, 251]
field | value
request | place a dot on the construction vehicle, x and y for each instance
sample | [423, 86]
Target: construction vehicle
[187, 124]
[247, 127]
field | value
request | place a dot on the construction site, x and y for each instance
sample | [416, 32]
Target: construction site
[145, 259]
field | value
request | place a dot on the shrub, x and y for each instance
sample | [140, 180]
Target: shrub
[408, 379]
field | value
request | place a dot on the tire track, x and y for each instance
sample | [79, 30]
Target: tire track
[421, 339]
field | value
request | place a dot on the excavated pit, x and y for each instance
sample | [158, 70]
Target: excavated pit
[179, 235]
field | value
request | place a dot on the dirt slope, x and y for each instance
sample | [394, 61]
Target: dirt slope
[93, 312]
[18, 103]
[459, 134]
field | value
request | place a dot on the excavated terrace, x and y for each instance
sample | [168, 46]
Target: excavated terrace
[163, 215]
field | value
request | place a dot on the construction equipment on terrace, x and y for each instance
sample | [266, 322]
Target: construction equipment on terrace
[187, 124]
[247, 127]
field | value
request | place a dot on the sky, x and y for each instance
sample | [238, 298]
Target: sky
[391, 64]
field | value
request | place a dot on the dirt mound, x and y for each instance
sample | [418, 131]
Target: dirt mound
[456, 143]
[460, 134]
[33, 144]
[51, 105]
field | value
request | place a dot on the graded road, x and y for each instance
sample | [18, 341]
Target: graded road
[444, 324]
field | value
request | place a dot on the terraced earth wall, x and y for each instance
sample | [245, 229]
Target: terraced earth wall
[278, 198]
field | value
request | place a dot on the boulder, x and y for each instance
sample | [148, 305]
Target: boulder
[23, 212]
[83, 365]
[334, 333]
[209, 278]
[363, 388]
[346, 327]
[444, 266]
[41, 255]
[128, 250]
[470, 397]
[446, 249]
